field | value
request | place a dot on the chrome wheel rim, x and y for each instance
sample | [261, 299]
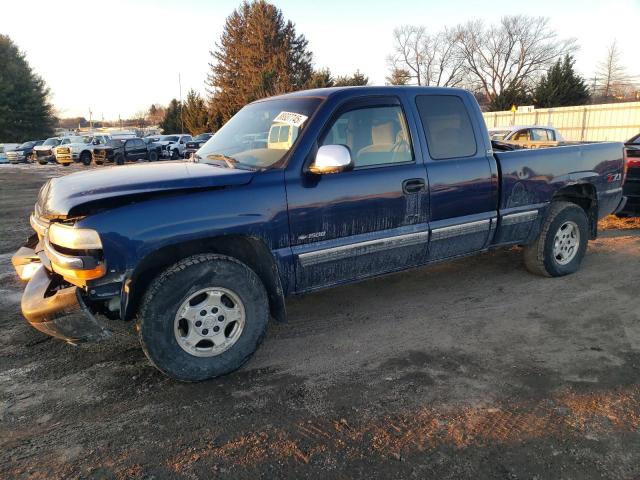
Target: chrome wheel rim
[209, 322]
[566, 243]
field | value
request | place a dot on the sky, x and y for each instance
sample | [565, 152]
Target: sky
[117, 57]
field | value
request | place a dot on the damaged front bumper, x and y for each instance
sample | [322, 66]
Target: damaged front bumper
[53, 306]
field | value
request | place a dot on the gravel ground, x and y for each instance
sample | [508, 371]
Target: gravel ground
[469, 369]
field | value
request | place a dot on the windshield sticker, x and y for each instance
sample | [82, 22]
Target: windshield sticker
[294, 119]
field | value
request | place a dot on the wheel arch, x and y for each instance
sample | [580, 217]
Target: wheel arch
[585, 196]
[252, 251]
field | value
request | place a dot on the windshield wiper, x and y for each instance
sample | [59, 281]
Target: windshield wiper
[229, 161]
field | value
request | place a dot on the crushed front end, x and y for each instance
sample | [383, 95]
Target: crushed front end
[58, 261]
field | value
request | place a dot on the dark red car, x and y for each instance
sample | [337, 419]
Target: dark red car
[631, 187]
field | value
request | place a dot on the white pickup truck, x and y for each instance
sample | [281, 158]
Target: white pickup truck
[173, 146]
[80, 148]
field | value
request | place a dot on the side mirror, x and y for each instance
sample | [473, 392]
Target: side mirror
[331, 159]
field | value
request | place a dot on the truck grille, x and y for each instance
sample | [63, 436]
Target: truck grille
[63, 150]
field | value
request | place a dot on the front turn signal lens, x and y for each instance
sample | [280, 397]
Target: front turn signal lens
[71, 274]
[74, 238]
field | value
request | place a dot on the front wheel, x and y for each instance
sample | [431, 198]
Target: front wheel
[85, 158]
[203, 317]
[562, 243]
[175, 154]
[152, 156]
[119, 160]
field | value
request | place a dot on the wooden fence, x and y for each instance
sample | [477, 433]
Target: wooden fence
[614, 121]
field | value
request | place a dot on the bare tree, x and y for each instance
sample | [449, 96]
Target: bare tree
[427, 59]
[612, 76]
[509, 56]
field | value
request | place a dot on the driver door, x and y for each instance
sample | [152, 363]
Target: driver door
[371, 219]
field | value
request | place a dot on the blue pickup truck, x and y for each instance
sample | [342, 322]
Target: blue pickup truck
[297, 193]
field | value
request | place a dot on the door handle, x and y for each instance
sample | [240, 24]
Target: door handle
[413, 185]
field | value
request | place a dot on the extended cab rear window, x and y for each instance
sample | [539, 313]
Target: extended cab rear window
[447, 126]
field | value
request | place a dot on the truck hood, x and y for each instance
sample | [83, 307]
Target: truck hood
[80, 193]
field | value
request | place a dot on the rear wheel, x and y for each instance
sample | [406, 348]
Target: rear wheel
[562, 243]
[119, 160]
[203, 317]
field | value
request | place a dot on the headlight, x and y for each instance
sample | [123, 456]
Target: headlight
[74, 238]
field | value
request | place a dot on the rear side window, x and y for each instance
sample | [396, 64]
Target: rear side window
[447, 126]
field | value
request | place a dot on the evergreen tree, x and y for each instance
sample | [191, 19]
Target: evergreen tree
[357, 79]
[171, 123]
[561, 86]
[25, 111]
[195, 114]
[509, 97]
[258, 55]
[399, 76]
[320, 79]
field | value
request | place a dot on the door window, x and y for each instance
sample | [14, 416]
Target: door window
[447, 126]
[374, 135]
[521, 136]
[540, 135]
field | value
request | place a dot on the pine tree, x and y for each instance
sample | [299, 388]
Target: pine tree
[561, 86]
[258, 55]
[195, 114]
[509, 97]
[25, 111]
[320, 79]
[399, 76]
[357, 79]
[171, 123]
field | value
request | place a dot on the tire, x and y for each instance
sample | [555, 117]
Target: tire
[159, 323]
[543, 257]
[119, 160]
[175, 155]
[42, 163]
[85, 158]
[152, 156]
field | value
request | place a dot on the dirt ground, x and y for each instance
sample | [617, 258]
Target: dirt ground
[469, 369]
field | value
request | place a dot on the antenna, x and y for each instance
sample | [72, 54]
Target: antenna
[181, 106]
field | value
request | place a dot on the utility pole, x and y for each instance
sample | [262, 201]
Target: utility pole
[90, 120]
[181, 106]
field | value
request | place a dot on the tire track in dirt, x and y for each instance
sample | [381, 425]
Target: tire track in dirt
[429, 428]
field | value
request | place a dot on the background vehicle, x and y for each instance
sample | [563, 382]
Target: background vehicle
[632, 183]
[173, 146]
[79, 148]
[23, 152]
[5, 148]
[44, 153]
[121, 151]
[194, 144]
[155, 150]
[533, 136]
[366, 181]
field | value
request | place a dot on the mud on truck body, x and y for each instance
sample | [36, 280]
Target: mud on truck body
[297, 193]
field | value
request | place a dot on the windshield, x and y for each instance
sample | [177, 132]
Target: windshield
[498, 134]
[51, 141]
[202, 137]
[26, 145]
[260, 134]
[64, 141]
[81, 139]
[169, 138]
